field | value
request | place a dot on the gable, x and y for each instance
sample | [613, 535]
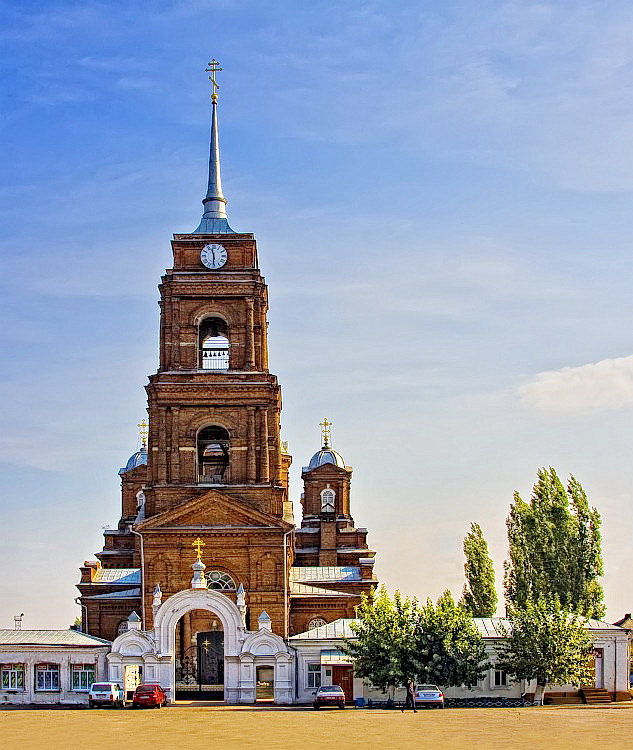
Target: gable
[214, 509]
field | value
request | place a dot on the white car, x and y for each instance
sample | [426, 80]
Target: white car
[106, 694]
[429, 695]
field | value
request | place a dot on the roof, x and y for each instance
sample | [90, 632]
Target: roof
[304, 589]
[324, 456]
[117, 575]
[126, 594]
[49, 638]
[337, 629]
[493, 627]
[489, 627]
[315, 573]
[139, 458]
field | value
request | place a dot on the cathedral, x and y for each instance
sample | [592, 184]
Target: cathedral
[206, 578]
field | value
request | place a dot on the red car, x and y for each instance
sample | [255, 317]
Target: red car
[150, 694]
[329, 695]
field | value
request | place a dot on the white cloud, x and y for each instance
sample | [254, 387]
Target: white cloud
[607, 384]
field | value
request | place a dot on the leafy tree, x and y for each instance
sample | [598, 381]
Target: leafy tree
[555, 547]
[479, 595]
[398, 640]
[546, 643]
[383, 648]
[448, 644]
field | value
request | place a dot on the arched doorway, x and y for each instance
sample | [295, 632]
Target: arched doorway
[199, 656]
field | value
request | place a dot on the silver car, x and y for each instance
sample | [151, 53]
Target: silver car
[429, 695]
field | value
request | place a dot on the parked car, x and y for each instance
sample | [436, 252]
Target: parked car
[329, 695]
[429, 695]
[106, 694]
[149, 694]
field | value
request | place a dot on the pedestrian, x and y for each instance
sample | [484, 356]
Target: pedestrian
[410, 701]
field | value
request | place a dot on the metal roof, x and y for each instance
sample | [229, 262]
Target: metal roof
[326, 455]
[317, 573]
[49, 638]
[126, 594]
[304, 589]
[493, 627]
[337, 629]
[117, 575]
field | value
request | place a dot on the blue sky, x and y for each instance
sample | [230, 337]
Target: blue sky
[441, 195]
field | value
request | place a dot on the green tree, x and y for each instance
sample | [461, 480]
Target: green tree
[555, 547]
[479, 595]
[382, 650]
[547, 643]
[448, 644]
[396, 641]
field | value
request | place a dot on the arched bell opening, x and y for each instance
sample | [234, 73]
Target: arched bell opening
[199, 656]
[213, 445]
[213, 344]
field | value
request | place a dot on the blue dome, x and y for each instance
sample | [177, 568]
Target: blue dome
[326, 455]
[136, 459]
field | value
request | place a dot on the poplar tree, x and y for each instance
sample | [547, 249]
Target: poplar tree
[555, 548]
[479, 595]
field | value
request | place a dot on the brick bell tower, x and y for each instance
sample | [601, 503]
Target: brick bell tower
[216, 467]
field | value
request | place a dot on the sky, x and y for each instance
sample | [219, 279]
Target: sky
[441, 196]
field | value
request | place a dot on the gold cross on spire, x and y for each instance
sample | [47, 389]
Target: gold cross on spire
[198, 544]
[143, 430]
[213, 67]
[325, 431]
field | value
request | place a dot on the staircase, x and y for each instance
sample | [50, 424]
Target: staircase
[595, 696]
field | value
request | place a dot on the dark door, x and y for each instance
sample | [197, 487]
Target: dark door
[343, 676]
[200, 670]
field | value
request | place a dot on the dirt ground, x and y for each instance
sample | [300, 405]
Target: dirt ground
[224, 728]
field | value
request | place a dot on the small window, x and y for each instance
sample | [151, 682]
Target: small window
[121, 627]
[327, 501]
[47, 676]
[314, 675]
[220, 581]
[317, 622]
[501, 678]
[12, 676]
[82, 676]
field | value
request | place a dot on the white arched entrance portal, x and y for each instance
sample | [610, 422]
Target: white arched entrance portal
[243, 650]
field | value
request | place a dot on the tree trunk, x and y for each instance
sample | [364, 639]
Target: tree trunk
[539, 692]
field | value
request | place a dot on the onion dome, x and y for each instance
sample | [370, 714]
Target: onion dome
[326, 455]
[139, 458]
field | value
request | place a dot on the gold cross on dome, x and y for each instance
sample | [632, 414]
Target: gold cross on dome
[213, 67]
[325, 431]
[198, 544]
[143, 430]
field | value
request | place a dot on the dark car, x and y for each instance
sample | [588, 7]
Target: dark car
[329, 695]
[149, 694]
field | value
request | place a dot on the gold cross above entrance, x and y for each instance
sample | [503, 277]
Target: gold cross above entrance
[325, 425]
[198, 544]
[213, 67]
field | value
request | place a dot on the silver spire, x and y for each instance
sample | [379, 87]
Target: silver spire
[214, 220]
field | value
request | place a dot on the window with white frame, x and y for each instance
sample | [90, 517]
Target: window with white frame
[82, 676]
[327, 501]
[12, 676]
[500, 678]
[47, 676]
[314, 675]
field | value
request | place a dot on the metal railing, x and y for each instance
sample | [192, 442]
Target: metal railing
[214, 359]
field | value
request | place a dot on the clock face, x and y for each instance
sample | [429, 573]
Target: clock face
[213, 256]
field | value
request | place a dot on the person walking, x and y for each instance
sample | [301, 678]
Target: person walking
[410, 701]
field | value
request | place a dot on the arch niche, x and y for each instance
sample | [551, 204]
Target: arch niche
[221, 607]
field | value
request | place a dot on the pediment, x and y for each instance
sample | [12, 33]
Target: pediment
[212, 510]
